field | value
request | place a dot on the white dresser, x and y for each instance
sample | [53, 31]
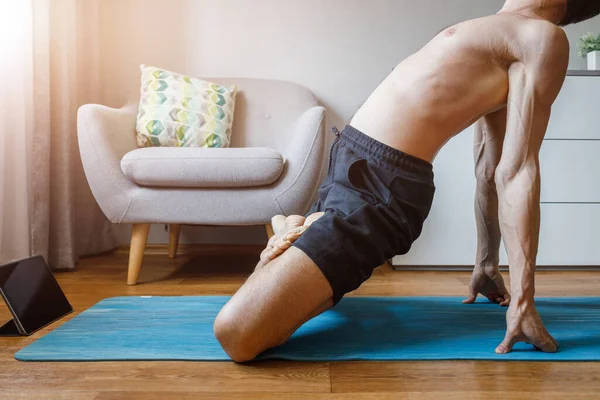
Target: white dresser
[570, 163]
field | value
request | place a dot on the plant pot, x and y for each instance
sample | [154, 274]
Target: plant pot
[594, 61]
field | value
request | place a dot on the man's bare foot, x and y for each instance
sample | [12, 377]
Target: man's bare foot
[286, 231]
[525, 325]
[489, 282]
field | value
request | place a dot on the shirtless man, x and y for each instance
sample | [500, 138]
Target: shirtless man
[504, 71]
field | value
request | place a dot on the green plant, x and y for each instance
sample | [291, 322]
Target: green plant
[589, 43]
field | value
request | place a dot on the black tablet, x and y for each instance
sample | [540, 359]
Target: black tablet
[32, 294]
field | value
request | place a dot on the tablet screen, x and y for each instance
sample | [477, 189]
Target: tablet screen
[33, 293]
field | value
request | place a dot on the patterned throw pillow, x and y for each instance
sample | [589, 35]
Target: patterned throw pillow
[179, 111]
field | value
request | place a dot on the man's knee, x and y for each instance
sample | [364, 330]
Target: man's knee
[485, 173]
[233, 337]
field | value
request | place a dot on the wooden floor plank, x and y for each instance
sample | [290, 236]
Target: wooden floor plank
[9, 394]
[466, 377]
[343, 396]
[172, 376]
[213, 273]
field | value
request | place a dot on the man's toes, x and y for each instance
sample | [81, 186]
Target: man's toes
[506, 301]
[282, 245]
[546, 345]
[547, 348]
[294, 234]
[502, 349]
[278, 224]
[277, 251]
[272, 241]
[266, 255]
[506, 346]
[265, 258]
[287, 230]
[312, 218]
[294, 221]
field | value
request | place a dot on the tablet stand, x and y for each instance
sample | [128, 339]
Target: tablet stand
[9, 329]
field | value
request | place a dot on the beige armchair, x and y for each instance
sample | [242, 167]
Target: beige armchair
[273, 166]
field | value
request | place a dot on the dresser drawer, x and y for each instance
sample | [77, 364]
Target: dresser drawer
[570, 235]
[575, 114]
[570, 171]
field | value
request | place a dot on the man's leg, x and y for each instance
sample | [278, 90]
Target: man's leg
[375, 210]
[273, 303]
[487, 279]
[286, 231]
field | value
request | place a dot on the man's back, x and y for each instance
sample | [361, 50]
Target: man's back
[458, 77]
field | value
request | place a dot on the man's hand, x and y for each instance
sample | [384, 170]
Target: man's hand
[525, 325]
[489, 282]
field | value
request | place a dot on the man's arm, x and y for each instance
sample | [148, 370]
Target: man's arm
[488, 142]
[533, 86]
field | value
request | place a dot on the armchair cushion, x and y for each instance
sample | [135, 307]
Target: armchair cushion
[202, 167]
[179, 111]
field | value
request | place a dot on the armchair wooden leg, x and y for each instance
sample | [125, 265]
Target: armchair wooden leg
[270, 232]
[139, 236]
[174, 231]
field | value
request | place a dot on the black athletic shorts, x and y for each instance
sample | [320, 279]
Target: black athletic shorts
[375, 200]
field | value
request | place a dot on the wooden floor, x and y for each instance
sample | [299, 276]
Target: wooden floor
[209, 273]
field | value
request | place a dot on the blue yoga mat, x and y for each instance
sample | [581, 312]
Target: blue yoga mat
[409, 328]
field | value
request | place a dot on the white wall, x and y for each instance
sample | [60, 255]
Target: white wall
[340, 49]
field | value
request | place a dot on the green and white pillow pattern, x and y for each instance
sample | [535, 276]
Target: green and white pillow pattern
[179, 111]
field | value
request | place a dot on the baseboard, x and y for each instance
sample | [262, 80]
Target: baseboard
[469, 268]
[191, 249]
